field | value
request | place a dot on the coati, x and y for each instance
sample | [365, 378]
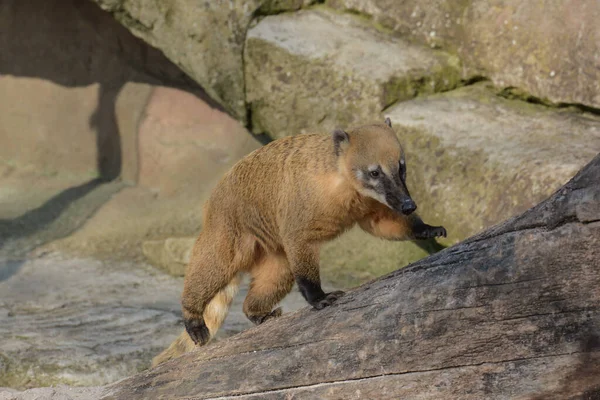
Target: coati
[272, 211]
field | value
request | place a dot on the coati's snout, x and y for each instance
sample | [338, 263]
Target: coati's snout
[388, 187]
[406, 206]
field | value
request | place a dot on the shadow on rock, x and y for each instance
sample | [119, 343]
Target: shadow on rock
[56, 218]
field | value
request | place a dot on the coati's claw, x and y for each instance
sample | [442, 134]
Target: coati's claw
[328, 300]
[274, 314]
[197, 330]
[429, 232]
[438, 231]
[259, 319]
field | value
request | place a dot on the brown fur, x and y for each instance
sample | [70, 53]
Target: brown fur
[270, 214]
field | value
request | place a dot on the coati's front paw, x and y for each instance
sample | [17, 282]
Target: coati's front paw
[429, 232]
[197, 330]
[328, 300]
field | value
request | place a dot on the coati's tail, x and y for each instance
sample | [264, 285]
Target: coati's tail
[216, 310]
[214, 315]
[180, 346]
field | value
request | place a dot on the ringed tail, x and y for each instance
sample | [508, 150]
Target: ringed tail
[214, 315]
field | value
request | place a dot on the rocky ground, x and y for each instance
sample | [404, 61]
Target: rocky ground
[85, 322]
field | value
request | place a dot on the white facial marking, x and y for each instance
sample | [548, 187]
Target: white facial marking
[359, 174]
[373, 167]
[374, 195]
[386, 170]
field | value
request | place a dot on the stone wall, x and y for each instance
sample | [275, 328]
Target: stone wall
[85, 103]
[548, 49]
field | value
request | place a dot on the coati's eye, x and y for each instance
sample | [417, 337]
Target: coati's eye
[374, 174]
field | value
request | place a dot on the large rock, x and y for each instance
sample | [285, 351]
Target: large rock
[80, 321]
[553, 55]
[435, 23]
[475, 158]
[184, 148]
[171, 254]
[316, 69]
[69, 115]
[205, 39]
[89, 102]
[68, 101]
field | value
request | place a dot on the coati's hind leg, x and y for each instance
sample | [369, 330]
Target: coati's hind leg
[213, 266]
[271, 281]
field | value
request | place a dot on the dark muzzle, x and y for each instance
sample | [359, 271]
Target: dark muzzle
[408, 206]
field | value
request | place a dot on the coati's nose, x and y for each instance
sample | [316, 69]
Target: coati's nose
[408, 207]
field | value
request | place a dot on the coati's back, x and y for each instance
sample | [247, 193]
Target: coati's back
[281, 164]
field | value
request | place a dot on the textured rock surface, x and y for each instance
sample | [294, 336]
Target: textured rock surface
[59, 392]
[171, 254]
[184, 147]
[357, 257]
[81, 321]
[435, 23]
[318, 69]
[511, 313]
[89, 100]
[69, 114]
[68, 101]
[475, 158]
[553, 55]
[86, 322]
[205, 39]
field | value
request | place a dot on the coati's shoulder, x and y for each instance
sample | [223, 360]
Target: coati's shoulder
[309, 144]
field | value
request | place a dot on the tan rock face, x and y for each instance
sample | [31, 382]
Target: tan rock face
[185, 146]
[46, 141]
[554, 54]
[435, 23]
[204, 38]
[475, 158]
[70, 98]
[87, 100]
[42, 130]
[315, 70]
[172, 254]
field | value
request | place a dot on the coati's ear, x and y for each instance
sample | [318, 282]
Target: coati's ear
[341, 140]
[388, 122]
